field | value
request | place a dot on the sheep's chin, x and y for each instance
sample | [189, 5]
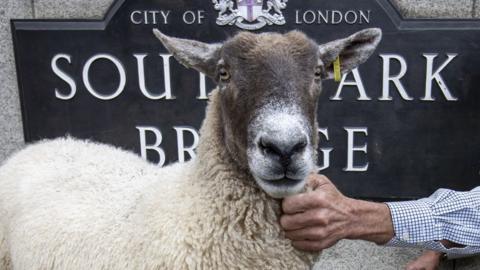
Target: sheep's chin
[280, 191]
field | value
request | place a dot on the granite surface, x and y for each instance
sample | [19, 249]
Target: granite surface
[11, 134]
[409, 8]
[359, 255]
[435, 8]
[476, 9]
[80, 9]
[468, 263]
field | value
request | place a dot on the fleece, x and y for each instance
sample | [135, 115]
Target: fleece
[74, 204]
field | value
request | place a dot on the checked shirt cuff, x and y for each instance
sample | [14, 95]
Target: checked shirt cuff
[414, 223]
[446, 215]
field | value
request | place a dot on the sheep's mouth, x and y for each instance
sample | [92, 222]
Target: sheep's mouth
[284, 182]
[281, 187]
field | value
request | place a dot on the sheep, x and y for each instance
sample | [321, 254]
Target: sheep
[75, 204]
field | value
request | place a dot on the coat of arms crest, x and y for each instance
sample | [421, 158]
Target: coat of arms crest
[250, 14]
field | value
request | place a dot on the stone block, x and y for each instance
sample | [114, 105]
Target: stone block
[435, 8]
[468, 263]
[11, 131]
[359, 255]
[79, 9]
[476, 9]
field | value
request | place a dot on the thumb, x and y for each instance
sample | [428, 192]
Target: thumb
[315, 181]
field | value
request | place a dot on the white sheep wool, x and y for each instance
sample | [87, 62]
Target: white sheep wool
[72, 204]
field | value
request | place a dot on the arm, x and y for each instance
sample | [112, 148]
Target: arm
[317, 220]
[447, 215]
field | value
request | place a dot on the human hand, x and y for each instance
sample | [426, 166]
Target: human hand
[318, 219]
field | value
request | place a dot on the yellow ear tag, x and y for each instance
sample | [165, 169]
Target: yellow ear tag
[337, 72]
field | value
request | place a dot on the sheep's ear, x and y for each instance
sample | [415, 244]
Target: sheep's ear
[353, 51]
[191, 53]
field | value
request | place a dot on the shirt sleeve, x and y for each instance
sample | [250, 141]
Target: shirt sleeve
[446, 215]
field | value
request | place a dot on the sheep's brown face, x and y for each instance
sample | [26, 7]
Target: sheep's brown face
[269, 85]
[270, 90]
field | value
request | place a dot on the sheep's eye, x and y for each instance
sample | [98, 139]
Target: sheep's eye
[318, 72]
[224, 74]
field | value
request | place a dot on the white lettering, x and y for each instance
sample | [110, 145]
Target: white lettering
[325, 151]
[203, 87]
[365, 17]
[166, 74]
[134, 15]
[337, 17]
[64, 76]
[356, 82]
[200, 16]
[120, 69]
[351, 17]
[435, 75]
[332, 16]
[309, 17]
[297, 18]
[155, 146]
[323, 16]
[182, 149]
[189, 17]
[165, 16]
[352, 149]
[154, 14]
[147, 17]
[387, 78]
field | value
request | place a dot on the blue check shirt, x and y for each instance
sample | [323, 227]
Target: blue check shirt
[446, 215]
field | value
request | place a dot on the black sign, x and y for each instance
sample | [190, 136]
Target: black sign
[402, 125]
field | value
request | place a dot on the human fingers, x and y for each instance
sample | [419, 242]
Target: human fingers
[303, 220]
[315, 181]
[309, 233]
[301, 202]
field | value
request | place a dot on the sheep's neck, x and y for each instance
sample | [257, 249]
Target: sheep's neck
[234, 209]
[222, 177]
[212, 153]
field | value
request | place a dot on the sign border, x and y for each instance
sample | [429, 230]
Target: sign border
[397, 19]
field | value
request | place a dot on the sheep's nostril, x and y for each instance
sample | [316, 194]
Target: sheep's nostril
[269, 148]
[300, 146]
[282, 150]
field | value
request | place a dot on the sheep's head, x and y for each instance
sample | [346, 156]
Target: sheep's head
[269, 84]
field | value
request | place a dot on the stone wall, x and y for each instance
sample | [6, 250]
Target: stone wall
[345, 255]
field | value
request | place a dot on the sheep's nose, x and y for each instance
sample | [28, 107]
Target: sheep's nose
[282, 149]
